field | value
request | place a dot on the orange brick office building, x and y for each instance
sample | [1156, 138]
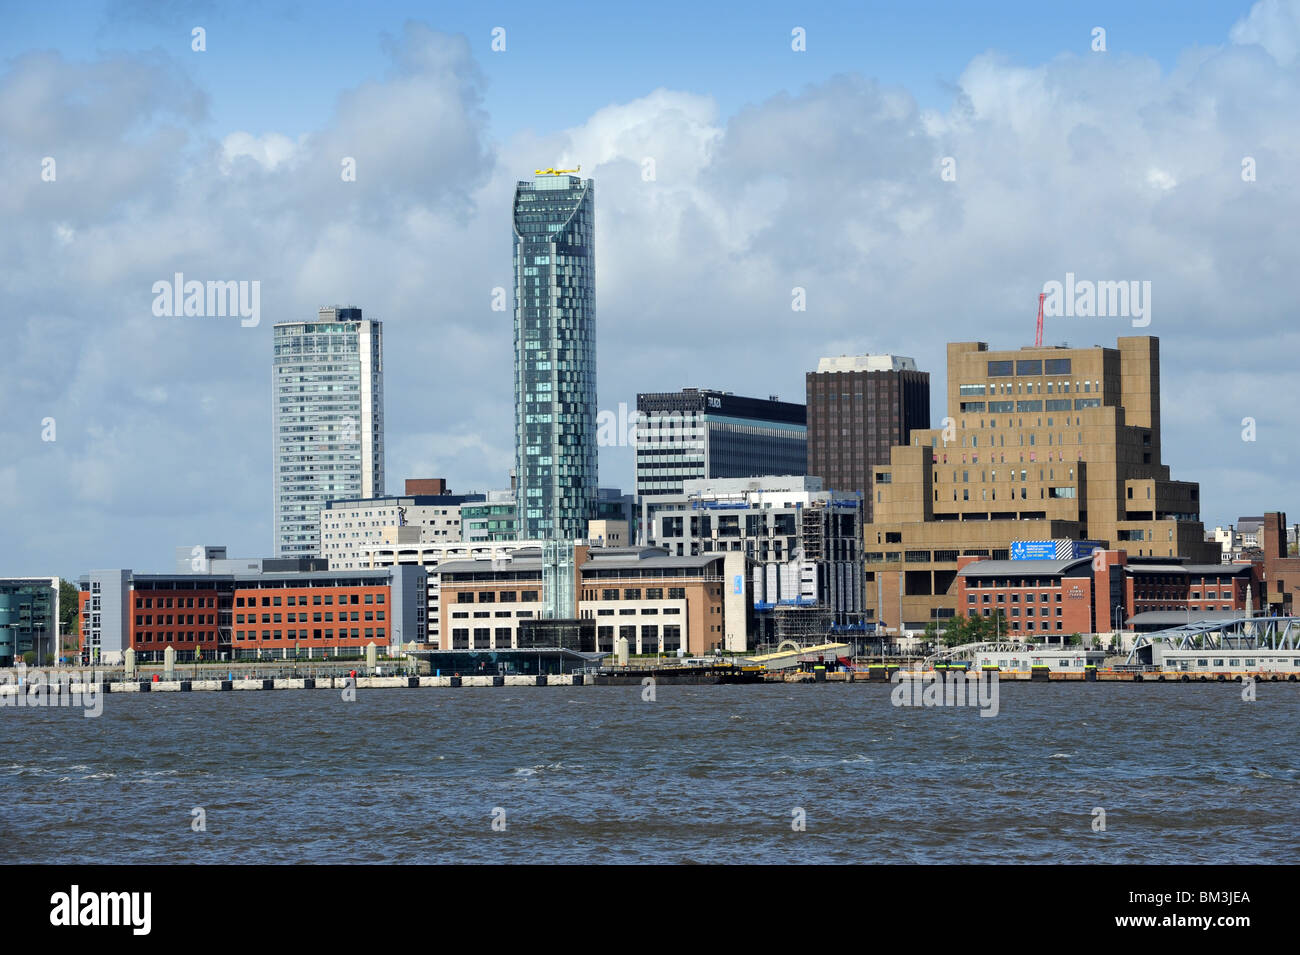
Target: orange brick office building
[240, 616]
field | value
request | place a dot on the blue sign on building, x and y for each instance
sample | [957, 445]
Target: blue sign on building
[1063, 549]
[1033, 550]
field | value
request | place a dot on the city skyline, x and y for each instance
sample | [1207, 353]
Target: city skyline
[701, 251]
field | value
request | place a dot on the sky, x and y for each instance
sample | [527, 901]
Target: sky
[920, 170]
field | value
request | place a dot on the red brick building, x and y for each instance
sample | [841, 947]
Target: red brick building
[184, 618]
[1052, 599]
[232, 616]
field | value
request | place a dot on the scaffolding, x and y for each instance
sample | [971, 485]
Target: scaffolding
[806, 626]
[811, 542]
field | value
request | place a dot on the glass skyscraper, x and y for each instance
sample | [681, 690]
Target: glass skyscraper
[555, 356]
[328, 419]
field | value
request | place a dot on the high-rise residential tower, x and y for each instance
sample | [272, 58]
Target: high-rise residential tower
[328, 419]
[860, 406]
[555, 356]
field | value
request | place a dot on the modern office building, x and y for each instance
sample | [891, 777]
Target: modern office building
[328, 412]
[1039, 443]
[860, 406]
[404, 547]
[802, 546]
[660, 603]
[555, 355]
[227, 616]
[699, 433]
[349, 528]
[612, 505]
[494, 518]
[29, 618]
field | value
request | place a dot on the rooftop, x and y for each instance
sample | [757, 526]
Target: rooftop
[1018, 568]
[866, 363]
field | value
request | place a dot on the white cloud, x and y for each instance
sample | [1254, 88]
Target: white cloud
[267, 151]
[1160, 179]
[1274, 25]
[1103, 166]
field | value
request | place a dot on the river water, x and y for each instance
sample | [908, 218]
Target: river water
[732, 774]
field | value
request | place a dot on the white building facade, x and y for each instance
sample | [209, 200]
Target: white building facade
[350, 530]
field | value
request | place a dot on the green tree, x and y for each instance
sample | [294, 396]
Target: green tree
[978, 629]
[69, 608]
[955, 634]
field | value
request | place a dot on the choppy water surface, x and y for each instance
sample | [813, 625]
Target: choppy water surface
[1185, 773]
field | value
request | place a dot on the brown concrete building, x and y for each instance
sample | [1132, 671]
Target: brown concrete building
[1038, 444]
[860, 406]
[1281, 573]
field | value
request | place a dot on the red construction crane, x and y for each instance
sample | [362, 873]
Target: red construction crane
[1038, 330]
